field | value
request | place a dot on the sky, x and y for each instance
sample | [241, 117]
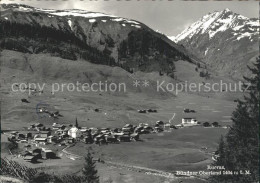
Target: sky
[169, 17]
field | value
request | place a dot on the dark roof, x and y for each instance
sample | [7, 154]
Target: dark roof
[29, 157]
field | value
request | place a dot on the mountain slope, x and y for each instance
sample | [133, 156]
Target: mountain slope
[97, 37]
[226, 41]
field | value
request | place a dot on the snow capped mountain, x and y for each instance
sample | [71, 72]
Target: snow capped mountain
[221, 21]
[225, 40]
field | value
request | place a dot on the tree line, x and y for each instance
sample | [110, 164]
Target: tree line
[39, 39]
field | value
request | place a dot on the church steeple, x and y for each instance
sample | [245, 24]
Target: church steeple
[76, 123]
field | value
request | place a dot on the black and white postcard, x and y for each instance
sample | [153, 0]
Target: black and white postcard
[129, 91]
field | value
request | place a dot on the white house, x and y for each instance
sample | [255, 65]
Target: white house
[167, 127]
[189, 121]
[74, 132]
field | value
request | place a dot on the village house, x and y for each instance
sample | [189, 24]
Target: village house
[88, 139]
[158, 128]
[124, 138]
[38, 125]
[167, 127]
[32, 159]
[51, 139]
[40, 140]
[44, 134]
[84, 130]
[134, 136]
[21, 136]
[159, 123]
[57, 126]
[28, 135]
[48, 154]
[188, 121]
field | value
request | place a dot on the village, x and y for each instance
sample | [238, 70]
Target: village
[37, 137]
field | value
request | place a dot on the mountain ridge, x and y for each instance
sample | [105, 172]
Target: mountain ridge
[127, 43]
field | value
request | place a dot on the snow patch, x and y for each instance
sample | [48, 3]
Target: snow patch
[92, 20]
[136, 26]
[246, 34]
[124, 20]
[25, 9]
[70, 23]
[238, 27]
[118, 19]
[256, 23]
[80, 14]
[6, 18]
[206, 51]
[104, 20]
[123, 25]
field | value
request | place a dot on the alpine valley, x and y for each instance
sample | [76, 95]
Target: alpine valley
[141, 134]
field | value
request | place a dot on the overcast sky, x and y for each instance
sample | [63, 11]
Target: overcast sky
[169, 17]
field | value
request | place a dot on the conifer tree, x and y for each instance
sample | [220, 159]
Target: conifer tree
[240, 151]
[89, 170]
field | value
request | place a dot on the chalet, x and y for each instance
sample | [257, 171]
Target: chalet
[59, 131]
[143, 124]
[70, 140]
[32, 159]
[23, 141]
[160, 123]
[48, 154]
[117, 135]
[50, 139]
[57, 126]
[117, 130]
[124, 138]
[167, 126]
[128, 128]
[40, 140]
[158, 129]
[28, 135]
[189, 121]
[111, 139]
[138, 129]
[38, 125]
[14, 133]
[74, 132]
[25, 153]
[21, 136]
[141, 111]
[12, 137]
[44, 134]
[63, 136]
[36, 150]
[134, 136]
[32, 126]
[84, 130]
[147, 129]
[105, 130]
[88, 140]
